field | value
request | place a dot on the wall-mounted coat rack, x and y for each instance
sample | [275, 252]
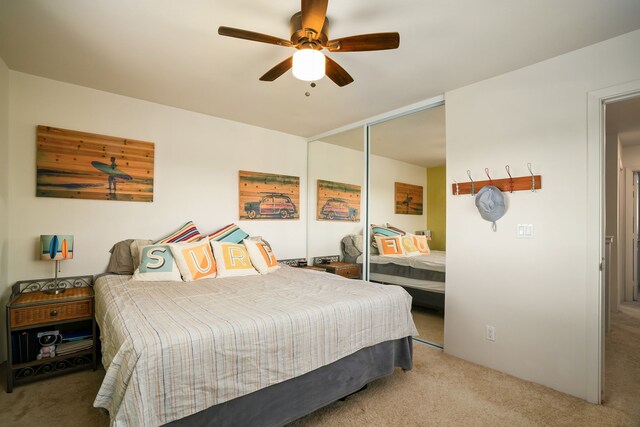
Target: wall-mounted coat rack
[520, 183]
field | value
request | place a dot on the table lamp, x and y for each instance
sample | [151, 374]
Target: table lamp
[56, 247]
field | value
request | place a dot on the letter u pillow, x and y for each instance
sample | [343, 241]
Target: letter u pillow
[195, 260]
[157, 264]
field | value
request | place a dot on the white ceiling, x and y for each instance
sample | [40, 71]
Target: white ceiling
[169, 51]
[417, 138]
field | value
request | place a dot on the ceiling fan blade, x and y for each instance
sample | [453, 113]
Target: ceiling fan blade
[250, 35]
[363, 42]
[314, 13]
[278, 70]
[336, 73]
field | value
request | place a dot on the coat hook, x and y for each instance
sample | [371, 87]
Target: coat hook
[533, 181]
[510, 178]
[457, 187]
[486, 170]
[473, 185]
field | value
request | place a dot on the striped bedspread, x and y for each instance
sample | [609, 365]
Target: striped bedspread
[172, 349]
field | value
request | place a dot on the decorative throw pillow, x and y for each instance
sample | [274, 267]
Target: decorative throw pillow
[121, 261]
[408, 246]
[232, 259]
[229, 233]
[195, 260]
[261, 255]
[396, 229]
[135, 251]
[186, 233]
[390, 246]
[157, 264]
[421, 244]
[383, 230]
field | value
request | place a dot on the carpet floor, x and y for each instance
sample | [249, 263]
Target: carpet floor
[430, 324]
[441, 390]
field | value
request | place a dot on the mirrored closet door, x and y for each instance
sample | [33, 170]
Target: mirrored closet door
[407, 211]
[335, 190]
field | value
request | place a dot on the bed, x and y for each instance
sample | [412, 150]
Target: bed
[422, 276]
[246, 350]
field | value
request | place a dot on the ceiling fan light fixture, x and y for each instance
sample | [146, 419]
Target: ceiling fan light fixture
[308, 65]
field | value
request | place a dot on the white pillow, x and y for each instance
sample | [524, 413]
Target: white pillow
[157, 264]
[232, 259]
[195, 260]
[262, 257]
[390, 246]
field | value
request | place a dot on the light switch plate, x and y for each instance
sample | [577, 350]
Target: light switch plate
[524, 231]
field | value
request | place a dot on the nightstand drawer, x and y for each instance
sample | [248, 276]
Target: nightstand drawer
[47, 313]
[350, 271]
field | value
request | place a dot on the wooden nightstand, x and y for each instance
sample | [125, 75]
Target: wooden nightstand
[344, 269]
[30, 311]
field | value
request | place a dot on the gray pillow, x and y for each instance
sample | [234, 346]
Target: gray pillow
[121, 261]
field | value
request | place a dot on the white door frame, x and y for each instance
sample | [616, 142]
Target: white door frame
[596, 102]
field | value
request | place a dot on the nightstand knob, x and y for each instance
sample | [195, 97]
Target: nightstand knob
[53, 313]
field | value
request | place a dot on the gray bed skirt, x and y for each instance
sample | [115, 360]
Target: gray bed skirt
[289, 400]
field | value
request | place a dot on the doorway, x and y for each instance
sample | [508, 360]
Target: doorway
[620, 208]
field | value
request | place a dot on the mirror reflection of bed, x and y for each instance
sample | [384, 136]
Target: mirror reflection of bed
[407, 192]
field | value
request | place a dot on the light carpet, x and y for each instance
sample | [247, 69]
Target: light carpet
[441, 390]
[430, 324]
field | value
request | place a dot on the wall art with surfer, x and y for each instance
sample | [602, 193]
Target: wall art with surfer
[408, 199]
[81, 165]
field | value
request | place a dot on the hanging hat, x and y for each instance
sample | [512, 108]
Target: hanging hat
[490, 204]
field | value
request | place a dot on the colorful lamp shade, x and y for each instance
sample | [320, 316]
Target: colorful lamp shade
[56, 247]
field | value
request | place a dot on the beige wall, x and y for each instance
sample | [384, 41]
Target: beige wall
[196, 175]
[4, 199]
[532, 291]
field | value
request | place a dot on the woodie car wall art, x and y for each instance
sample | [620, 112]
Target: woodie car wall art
[268, 196]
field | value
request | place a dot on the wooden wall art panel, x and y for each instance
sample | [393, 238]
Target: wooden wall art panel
[408, 199]
[81, 165]
[338, 201]
[268, 196]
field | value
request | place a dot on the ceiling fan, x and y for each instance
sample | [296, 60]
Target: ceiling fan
[310, 34]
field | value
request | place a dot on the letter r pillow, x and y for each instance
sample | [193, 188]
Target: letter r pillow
[232, 259]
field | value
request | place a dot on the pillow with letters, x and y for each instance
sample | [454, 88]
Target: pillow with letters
[384, 231]
[232, 259]
[135, 247]
[229, 233]
[195, 260]
[186, 233]
[157, 264]
[408, 246]
[261, 255]
[390, 246]
[421, 244]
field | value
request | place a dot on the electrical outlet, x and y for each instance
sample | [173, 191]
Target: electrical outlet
[490, 333]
